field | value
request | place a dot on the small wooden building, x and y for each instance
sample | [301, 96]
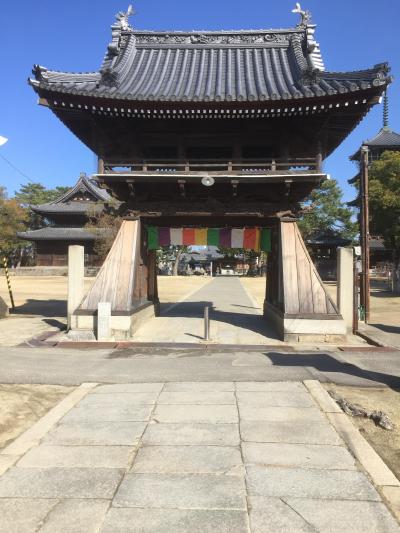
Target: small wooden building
[66, 217]
[323, 252]
[212, 129]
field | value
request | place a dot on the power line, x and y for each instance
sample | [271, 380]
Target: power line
[16, 168]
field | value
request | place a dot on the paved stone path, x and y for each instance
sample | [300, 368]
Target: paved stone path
[191, 457]
[235, 318]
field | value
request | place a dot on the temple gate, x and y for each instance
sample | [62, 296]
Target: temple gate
[211, 129]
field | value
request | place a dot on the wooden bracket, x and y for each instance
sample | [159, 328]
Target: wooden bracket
[288, 187]
[235, 184]
[182, 189]
[131, 187]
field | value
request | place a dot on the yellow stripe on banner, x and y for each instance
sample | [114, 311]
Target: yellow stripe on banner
[258, 240]
[200, 237]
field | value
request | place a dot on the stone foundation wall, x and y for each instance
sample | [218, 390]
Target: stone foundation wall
[90, 272]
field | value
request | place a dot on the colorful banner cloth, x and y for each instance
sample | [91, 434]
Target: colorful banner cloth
[258, 239]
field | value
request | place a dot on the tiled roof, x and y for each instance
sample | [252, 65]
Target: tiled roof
[66, 204]
[76, 208]
[221, 66]
[386, 137]
[57, 234]
[354, 180]
[326, 239]
[84, 184]
[355, 203]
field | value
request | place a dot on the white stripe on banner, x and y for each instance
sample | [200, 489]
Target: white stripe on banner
[237, 238]
[176, 236]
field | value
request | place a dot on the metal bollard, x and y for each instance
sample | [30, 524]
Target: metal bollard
[207, 323]
[8, 282]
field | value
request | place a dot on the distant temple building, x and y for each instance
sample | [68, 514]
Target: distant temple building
[323, 251]
[67, 216]
[385, 140]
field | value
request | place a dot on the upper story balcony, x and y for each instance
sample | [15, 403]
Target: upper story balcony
[213, 167]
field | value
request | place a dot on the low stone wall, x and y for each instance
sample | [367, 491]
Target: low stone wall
[47, 271]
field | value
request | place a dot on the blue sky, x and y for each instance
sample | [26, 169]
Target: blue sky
[73, 36]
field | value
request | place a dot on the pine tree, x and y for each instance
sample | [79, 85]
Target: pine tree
[326, 213]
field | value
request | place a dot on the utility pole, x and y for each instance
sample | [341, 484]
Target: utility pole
[364, 233]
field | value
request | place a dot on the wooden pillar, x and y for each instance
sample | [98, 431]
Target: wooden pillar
[117, 280]
[273, 282]
[100, 165]
[153, 284]
[153, 288]
[123, 283]
[144, 266]
[319, 158]
[296, 299]
[364, 232]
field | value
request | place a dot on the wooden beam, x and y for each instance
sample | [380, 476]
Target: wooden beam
[44, 102]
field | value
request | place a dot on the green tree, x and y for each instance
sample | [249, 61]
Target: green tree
[105, 225]
[13, 218]
[384, 203]
[37, 194]
[325, 212]
[172, 255]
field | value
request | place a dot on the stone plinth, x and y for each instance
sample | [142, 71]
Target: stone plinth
[345, 286]
[76, 274]
[104, 321]
[3, 308]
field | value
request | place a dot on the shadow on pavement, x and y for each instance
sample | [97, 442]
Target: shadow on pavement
[387, 328]
[55, 323]
[326, 363]
[47, 308]
[251, 321]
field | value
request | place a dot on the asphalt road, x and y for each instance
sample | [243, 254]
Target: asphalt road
[75, 366]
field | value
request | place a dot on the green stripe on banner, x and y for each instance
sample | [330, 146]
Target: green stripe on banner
[152, 238]
[213, 237]
[265, 244]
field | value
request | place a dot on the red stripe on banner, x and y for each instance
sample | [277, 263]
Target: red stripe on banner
[164, 236]
[188, 236]
[250, 239]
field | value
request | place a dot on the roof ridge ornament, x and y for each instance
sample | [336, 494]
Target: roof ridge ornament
[122, 17]
[305, 16]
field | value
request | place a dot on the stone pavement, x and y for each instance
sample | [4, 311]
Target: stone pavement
[236, 318]
[191, 457]
[383, 334]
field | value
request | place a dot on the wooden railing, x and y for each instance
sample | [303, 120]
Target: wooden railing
[212, 165]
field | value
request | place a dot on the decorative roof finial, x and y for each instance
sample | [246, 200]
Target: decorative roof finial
[123, 18]
[385, 110]
[305, 16]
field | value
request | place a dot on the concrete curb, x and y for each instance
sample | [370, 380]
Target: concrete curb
[371, 339]
[32, 436]
[382, 477]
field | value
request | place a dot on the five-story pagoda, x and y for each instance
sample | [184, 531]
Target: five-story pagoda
[212, 129]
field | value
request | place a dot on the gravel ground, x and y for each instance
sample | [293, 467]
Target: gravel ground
[22, 405]
[386, 443]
